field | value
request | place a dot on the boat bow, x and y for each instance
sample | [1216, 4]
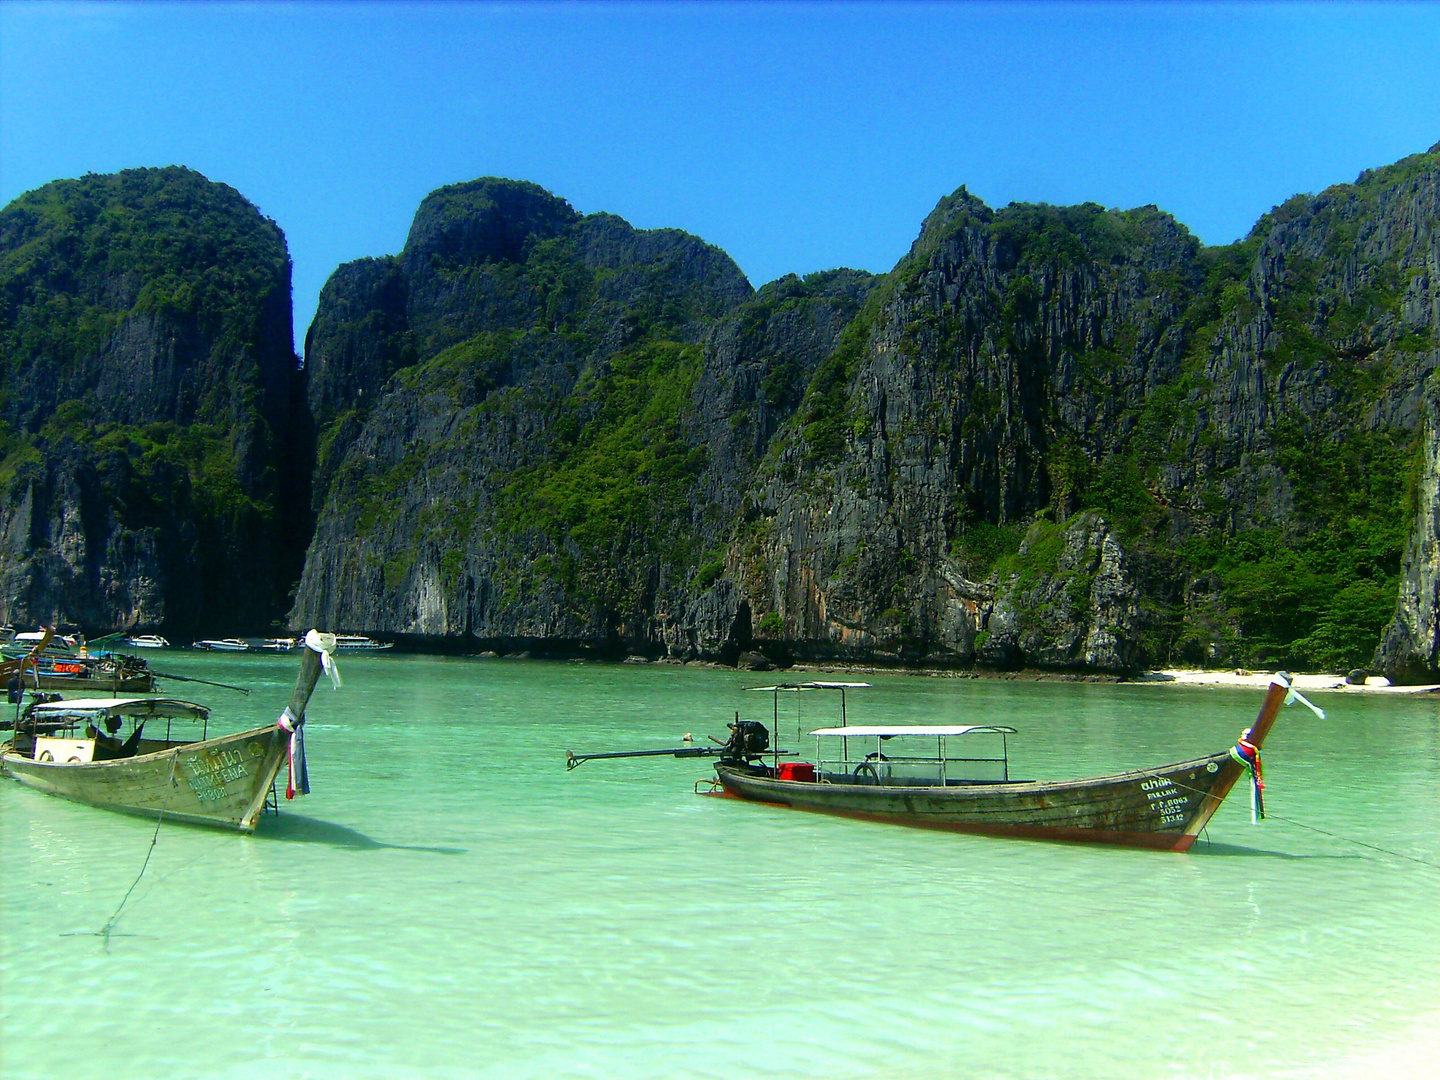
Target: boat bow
[319, 655]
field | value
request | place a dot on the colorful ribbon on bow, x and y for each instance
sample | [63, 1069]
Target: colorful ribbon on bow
[298, 777]
[298, 780]
[1248, 755]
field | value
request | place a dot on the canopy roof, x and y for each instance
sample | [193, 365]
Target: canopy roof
[890, 731]
[811, 686]
[146, 707]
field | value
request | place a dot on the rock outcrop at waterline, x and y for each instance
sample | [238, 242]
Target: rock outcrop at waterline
[1064, 437]
[151, 463]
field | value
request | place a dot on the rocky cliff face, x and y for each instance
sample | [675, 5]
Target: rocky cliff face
[1409, 652]
[519, 473]
[1066, 437]
[1206, 452]
[149, 442]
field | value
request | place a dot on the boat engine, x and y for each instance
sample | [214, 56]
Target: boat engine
[748, 739]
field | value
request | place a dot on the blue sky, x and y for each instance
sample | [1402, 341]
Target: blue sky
[796, 137]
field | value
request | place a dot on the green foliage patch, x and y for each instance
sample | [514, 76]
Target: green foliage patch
[627, 471]
[78, 257]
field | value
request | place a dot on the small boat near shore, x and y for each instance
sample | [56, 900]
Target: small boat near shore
[930, 777]
[14, 670]
[75, 749]
[50, 642]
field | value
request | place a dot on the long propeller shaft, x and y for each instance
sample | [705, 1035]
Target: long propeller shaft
[573, 760]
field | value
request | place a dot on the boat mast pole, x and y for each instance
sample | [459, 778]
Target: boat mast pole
[305, 684]
[1279, 688]
[775, 721]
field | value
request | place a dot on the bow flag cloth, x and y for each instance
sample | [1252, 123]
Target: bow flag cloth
[319, 656]
[1246, 750]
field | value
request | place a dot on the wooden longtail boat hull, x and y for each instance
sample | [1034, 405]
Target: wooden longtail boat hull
[220, 781]
[1156, 808]
[1164, 807]
[133, 684]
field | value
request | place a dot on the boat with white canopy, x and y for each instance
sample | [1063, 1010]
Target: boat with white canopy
[78, 749]
[957, 777]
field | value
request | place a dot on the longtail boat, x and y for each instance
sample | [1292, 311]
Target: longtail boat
[14, 670]
[74, 749]
[925, 776]
[113, 674]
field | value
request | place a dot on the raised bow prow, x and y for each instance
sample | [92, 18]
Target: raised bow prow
[316, 656]
[1279, 691]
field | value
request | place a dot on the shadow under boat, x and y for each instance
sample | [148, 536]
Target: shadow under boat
[297, 829]
[1210, 847]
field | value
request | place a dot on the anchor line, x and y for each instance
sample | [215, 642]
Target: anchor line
[169, 787]
[1357, 843]
[1311, 828]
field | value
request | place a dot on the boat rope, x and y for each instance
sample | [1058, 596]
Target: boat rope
[1311, 828]
[169, 787]
[1359, 843]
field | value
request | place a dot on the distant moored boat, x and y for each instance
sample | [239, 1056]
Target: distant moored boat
[360, 643]
[228, 644]
[146, 641]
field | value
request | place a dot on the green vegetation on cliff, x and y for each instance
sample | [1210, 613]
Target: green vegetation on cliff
[146, 368]
[79, 258]
[1078, 420]
[619, 464]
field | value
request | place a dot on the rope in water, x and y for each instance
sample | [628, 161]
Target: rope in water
[1301, 825]
[1357, 843]
[169, 786]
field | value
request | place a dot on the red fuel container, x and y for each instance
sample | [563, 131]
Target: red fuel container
[797, 770]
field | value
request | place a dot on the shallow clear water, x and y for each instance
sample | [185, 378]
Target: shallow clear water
[449, 902]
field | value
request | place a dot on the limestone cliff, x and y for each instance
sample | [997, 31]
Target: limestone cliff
[1066, 437]
[1409, 652]
[1243, 420]
[520, 470]
[152, 469]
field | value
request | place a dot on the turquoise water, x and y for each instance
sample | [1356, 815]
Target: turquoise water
[449, 902]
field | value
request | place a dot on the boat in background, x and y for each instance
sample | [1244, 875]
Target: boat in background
[228, 644]
[912, 777]
[13, 671]
[280, 644]
[114, 674]
[74, 749]
[146, 641]
[360, 643]
[51, 643]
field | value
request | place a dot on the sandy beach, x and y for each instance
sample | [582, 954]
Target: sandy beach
[1259, 679]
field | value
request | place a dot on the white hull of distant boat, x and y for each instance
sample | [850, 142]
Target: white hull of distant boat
[360, 643]
[223, 645]
[147, 641]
